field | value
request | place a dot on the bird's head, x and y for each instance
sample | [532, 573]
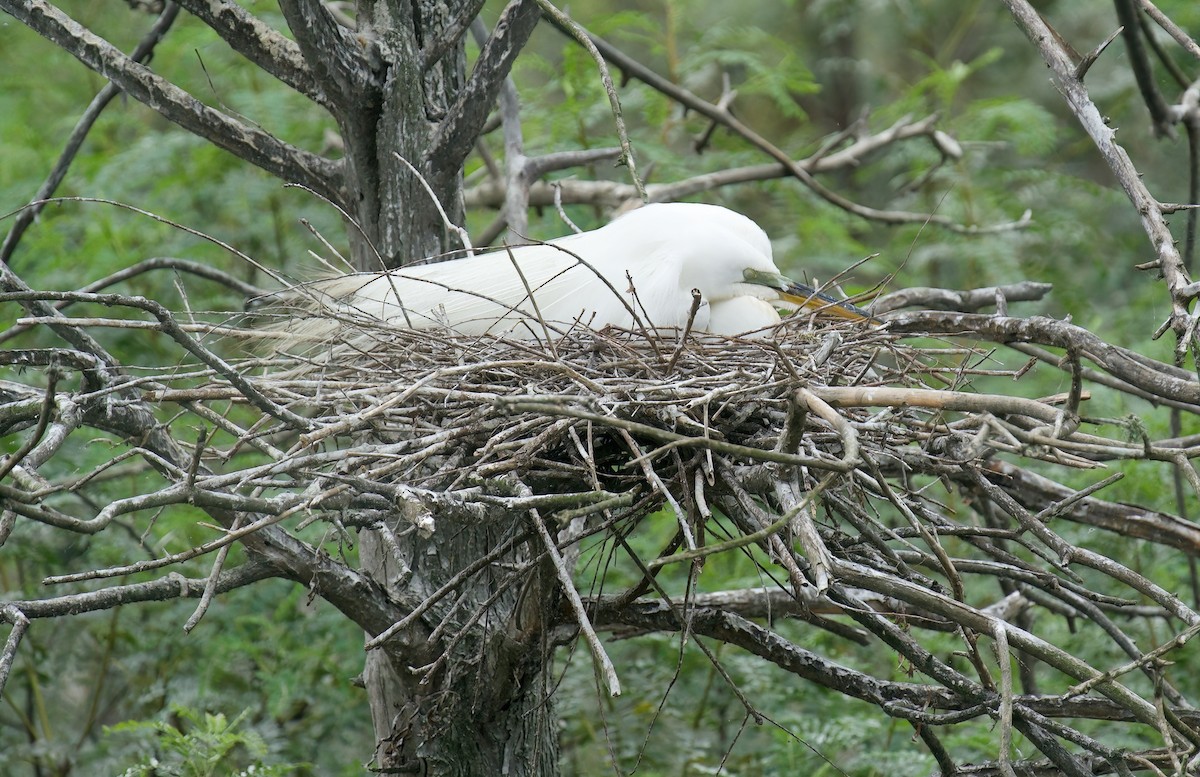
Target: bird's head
[766, 283]
[718, 251]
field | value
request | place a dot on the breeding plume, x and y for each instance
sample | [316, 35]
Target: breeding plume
[637, 271]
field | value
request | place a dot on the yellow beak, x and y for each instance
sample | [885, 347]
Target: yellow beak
[805, 297]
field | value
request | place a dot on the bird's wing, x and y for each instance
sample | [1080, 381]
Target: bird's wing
[481, 294]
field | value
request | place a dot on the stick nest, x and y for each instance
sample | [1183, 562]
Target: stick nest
[610, 411]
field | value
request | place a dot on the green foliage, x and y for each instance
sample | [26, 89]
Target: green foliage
[943, 85]
[1022, 151]
[760, 63]
[1028, 130]
[278, 664]
[201, 745]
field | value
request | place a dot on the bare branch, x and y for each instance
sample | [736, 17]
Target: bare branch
[875, 493]
[28, 215]
[437, 48]
[339, 60]
[967, 301]
[1174, 30]
[613, 194]
[564, 579]
[460, 127]
[1037, 492]
[171, 586]
[1168, 259]
[1143, 71]
[1158, 379]
[721, 115]
[258, 42]
[20, 624]
[252, 145]
[581, 35]
[171, 328]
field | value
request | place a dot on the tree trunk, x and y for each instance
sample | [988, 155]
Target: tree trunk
[484, 710]
[399, 215]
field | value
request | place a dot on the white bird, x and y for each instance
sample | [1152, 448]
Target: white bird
[637, 271]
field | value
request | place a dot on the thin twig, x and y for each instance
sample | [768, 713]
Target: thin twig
[581, 35]
[581, 617]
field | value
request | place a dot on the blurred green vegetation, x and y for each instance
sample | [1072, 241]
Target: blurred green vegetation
[280, 665]
[195, 745]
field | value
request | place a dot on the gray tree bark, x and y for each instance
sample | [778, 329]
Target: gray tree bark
[473, 699]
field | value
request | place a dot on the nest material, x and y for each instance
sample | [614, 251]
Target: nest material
[601, 405]
[816, 443]
[590, 417]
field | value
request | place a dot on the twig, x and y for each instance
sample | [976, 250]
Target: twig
[1169, 260]
[48, 406]
[1006, 699]
[634, 68]
[463, 237]
[743, 540]
[718, 446]
[1089, 59]
[169, 326]
[1146, 660]
[581, 35]
[1174, 30]
[581, 617]
[254, 146]
[79, 134]
[20, 624]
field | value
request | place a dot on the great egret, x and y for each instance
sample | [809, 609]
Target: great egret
[638, 270]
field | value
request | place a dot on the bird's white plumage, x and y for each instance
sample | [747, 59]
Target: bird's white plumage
[741, 315]
[643, 264]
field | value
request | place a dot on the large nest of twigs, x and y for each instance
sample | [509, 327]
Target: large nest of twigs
[614, 414]
[597, 419]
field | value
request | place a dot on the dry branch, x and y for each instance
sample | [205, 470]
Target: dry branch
[1167, 257]
[258, 42]
[876, 494]
[720, 114]
[253, 145]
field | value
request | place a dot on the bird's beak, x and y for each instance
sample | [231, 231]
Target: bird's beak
[804, 296]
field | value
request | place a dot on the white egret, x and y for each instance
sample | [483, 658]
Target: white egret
[639, 269]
